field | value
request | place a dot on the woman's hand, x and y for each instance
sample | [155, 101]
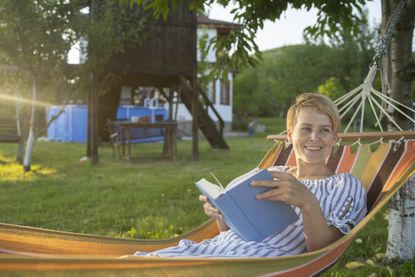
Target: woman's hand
[285, 187]
[213, 213]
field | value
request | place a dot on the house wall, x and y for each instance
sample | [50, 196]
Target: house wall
[211, 33]
[184, 116]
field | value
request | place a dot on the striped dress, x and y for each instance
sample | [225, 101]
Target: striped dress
[342, 199]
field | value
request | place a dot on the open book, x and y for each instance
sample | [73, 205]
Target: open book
[250, 218]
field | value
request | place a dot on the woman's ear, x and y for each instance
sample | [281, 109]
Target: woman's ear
[289, 137]
[336, 138]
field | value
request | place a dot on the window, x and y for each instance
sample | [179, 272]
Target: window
[225, 92]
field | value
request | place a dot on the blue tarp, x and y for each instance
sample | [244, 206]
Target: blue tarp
[71, 125]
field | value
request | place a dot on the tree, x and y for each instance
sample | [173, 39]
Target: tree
[399, 70]
[288, 71]
[283, 73]
[398, 64]
[108, 30]
[35, 36]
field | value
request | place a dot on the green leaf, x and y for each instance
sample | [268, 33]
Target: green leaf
[353, 265]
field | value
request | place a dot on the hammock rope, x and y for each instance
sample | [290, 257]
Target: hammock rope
[383, 45]
[366, 92]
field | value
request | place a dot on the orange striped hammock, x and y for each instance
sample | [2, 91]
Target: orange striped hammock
[382, 167]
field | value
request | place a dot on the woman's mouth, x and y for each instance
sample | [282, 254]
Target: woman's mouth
[313, 148]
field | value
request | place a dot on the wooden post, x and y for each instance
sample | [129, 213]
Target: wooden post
[94, 131]
[92, 140]
[89, 125]
[170, 99]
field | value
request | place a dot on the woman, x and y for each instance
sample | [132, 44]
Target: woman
[328, 204]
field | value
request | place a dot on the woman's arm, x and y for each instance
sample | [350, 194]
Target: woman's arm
[287, 188]
[213, 213]
[317, 233]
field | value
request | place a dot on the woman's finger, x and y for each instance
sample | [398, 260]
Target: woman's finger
[203, 198]
[265, 183]
[212, 211]
[271, 194]
[281, 175]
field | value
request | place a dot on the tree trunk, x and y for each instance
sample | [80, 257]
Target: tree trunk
[20, 153]
[27, 161]
[398, 69]
[401, 228]
[107, 106]
[92, 138]
[89, 125]
[95, 156]
[195, 100]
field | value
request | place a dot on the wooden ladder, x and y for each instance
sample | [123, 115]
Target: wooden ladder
[213, 134]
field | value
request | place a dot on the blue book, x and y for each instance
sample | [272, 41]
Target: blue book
[250, 218]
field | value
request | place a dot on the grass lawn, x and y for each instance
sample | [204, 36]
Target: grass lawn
[149, 198]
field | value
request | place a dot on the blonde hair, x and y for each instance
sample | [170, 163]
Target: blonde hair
[320, 103]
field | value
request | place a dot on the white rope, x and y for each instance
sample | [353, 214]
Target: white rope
[362, 112]
[389, 101]
[345, 97]
[380, 141]
[365, 90]
[353, 117]
[374, 112]
[357, 142]
[387, 114]
[349, 105]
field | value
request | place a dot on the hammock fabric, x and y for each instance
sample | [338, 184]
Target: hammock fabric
[382, 170]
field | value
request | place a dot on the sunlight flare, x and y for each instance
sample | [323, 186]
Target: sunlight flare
[24, 101]
[12, 171]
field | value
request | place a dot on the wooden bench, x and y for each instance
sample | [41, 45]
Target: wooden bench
[125, 133]
[10, 132]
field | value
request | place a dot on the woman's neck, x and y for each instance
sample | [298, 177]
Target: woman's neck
[311, 171]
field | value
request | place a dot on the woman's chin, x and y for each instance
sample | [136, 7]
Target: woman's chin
[315, 161]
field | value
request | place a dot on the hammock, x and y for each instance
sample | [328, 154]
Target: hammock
[382, 170]
[382, 161]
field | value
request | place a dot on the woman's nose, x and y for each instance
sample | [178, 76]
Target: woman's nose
[314, 135]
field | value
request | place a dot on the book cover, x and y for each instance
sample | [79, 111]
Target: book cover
[249, 217]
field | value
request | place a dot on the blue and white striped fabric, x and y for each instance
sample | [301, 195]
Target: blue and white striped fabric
[342, 199]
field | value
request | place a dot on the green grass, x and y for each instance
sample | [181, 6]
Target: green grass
[152, 194]
[274, 125]
[151, 197]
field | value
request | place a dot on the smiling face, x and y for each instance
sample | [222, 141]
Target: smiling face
[312, 136]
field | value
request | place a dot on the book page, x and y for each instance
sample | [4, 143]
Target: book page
[241, 178]
[208, 189]
[217, 181]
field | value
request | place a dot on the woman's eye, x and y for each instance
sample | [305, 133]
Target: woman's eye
[325, 130]
[306, 129]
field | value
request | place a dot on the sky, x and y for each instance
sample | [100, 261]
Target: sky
[289, 28]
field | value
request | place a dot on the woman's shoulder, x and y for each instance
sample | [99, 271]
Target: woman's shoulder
[348, 180]
[346, 176]
[279, 168]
